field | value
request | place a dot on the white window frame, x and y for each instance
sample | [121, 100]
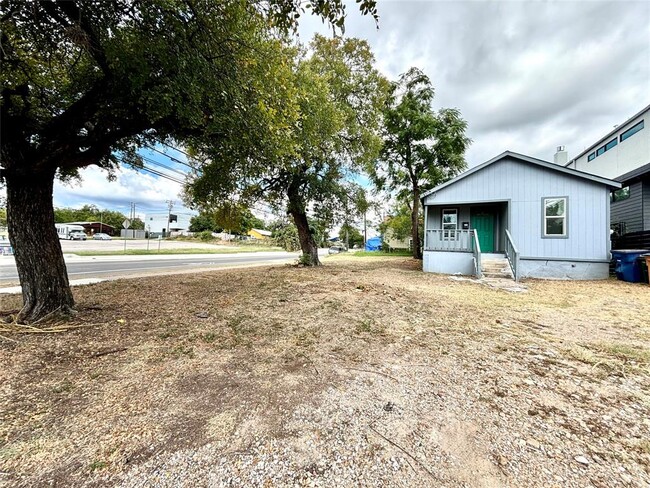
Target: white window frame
[449, 233]
[565, 223]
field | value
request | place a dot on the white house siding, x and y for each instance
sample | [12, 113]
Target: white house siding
[626, 156]
[523, 186]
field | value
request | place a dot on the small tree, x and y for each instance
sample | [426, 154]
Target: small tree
[421, 148]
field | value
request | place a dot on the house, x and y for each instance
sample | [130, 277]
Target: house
[393, 243]
[94, 227]
[547, 220]
[623, 154]
[259, 234]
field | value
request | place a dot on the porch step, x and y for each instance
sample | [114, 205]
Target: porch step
[496, 268]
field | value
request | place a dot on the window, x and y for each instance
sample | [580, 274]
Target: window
[631, 131]
[620, 195]
[555, 217]
[449, 223]
[591, 157]
[611, 144]
[601, 150]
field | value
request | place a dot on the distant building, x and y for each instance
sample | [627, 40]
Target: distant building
[156, 223]
[623, 154]
[94, 227]
[259, 234]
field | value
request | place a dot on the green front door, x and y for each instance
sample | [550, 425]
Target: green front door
[483, 223]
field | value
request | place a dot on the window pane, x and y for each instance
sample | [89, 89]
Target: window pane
[554, 207]
[555, 226]
[622, 194]
[631, 131]
[600, 151]
[610, 144]
[449, 217]
[591, 157]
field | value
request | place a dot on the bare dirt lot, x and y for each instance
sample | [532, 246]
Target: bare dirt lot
[366, 372]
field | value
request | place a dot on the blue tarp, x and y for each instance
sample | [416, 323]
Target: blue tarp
[373, 244]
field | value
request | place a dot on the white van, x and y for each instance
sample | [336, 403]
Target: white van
[68, 231]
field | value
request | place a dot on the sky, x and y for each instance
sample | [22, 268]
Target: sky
[526, 76]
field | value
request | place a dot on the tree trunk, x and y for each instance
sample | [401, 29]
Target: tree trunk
[415, 224]
[297, 211]
[39, 258]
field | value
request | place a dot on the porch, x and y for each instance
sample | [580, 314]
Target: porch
[458, 238]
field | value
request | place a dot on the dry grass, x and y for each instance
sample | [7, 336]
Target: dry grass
[165, 363]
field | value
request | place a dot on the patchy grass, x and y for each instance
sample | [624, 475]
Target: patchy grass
[457, 373]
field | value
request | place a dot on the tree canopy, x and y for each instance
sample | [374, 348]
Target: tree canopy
[422, 147]
[88, 83]
[332, 110]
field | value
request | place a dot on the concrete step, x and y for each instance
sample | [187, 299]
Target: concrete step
[496, 268]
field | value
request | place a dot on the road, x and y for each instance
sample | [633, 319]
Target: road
[110, 267]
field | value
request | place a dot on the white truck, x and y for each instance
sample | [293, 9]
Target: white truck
[70, 231]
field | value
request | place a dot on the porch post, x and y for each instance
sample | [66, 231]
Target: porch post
[426, 222]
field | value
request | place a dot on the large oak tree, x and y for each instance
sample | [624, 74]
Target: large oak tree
[83, 81]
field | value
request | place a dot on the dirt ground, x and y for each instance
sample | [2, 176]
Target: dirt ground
[366, 372]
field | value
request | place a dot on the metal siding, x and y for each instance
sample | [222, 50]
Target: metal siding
[525, 185]
[630, 211]
[646, 204]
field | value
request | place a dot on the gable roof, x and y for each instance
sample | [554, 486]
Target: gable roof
[528, 160]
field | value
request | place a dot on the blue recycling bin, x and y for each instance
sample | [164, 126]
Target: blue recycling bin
[627, 266]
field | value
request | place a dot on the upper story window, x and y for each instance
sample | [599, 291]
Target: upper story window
[591, 157]
[620, 195]
[611, 144]
[631, 131]
[554, 223]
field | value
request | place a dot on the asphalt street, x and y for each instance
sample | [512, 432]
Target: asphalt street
[109, 267]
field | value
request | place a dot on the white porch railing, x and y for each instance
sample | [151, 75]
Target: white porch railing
[449, 240]
[513, 255]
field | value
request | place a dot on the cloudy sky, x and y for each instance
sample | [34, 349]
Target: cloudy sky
[527, 76]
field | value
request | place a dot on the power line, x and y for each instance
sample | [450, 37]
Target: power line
[174, 148]
[154, 162]
[176, 160]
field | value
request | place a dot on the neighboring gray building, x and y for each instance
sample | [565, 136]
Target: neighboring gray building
[547, 220]
[623, 154]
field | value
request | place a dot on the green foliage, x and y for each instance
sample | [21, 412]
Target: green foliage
[285, 235]
[350, 236]
[422, 148]
[398, 224]
[330, 105]
[204, 222]
[205, 236]
[90, 213]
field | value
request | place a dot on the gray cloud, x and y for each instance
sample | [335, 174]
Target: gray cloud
[527, 76]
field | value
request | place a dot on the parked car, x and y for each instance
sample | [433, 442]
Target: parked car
[100, 236]
[77, 235]
[336, 249]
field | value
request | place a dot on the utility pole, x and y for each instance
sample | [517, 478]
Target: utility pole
[365, 230]
[170, 205]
